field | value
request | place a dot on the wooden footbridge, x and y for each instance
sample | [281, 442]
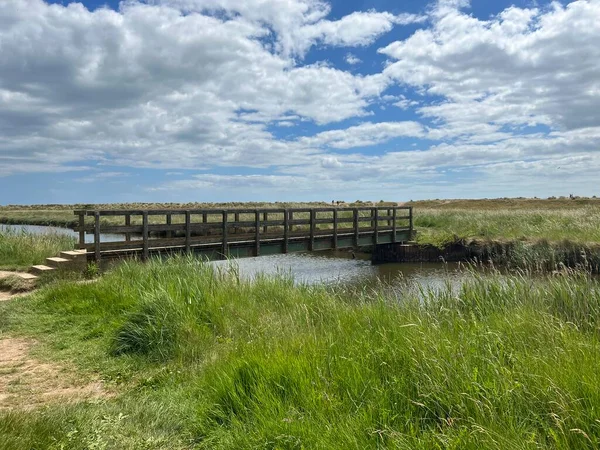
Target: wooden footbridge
[219, 234]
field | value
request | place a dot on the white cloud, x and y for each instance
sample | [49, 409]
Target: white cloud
[524, 66]
[365, 134]
[194, 84]
[352, 59]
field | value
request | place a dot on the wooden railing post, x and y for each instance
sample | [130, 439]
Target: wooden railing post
[237, 219]
[127, 223]
[145, 235]
[311, 245]
[356, 225]
[375, 215]
[286, 230]
[204, 217]
[169, 222]
[224, 249]
[265, 218]
[97, 236]
[335, 228]
[394, 226]
[257, 234]
[81, 230]
[410, 215]
[188, 231]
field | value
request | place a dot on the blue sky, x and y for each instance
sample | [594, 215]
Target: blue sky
[281, 100]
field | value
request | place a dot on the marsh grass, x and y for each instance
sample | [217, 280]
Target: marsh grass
[19, 249]
[205, 359]
[442, 226]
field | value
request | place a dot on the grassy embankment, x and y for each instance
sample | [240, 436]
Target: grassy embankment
[199, 359]
[20, 250]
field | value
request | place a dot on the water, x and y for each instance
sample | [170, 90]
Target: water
[339, 267]
[39, 229]
[320, 267]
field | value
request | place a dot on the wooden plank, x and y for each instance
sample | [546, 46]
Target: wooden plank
[145, 235]
[257, 234]
[188, 230]
[97, 237]
[162, 212]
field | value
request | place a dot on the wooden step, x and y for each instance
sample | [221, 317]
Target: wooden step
[58, 262]
[26, 276]
[40, 269]
[79, 255]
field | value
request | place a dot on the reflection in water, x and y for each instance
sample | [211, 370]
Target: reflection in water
[339, 267]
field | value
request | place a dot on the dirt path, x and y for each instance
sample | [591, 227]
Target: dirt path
[27, 383]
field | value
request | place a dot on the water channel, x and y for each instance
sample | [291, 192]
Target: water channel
[319, 267]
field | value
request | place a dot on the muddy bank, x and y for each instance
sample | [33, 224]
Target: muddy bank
[537, 256]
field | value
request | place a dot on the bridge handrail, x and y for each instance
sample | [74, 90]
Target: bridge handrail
[220, 219]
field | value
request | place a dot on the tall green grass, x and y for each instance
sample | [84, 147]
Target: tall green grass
[19, 249]
[204, 359]
[441, 226]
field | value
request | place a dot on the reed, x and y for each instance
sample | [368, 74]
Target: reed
[19, 250]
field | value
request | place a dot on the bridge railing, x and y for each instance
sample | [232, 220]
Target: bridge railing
[176, 229]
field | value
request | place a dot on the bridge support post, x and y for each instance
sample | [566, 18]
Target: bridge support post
[145, 235]
[169, 222]
[257, 234]
[81, 230]
[356, 225]
[375, 215]
[311, 244]
[394, 226]
[286, 230]
[188, 231]
[127, 223]
[97, 236]
[335, 228]
[225, 249]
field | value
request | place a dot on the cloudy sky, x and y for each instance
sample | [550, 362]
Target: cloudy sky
[238, 100]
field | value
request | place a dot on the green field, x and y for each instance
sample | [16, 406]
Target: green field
[193, 358]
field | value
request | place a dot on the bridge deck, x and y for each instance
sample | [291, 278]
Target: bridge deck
[215, 235]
